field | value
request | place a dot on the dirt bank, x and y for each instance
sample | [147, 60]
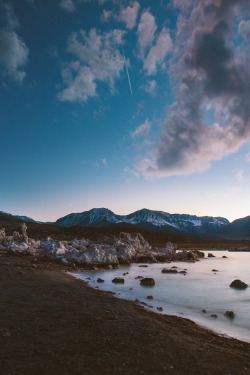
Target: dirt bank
[51, 323]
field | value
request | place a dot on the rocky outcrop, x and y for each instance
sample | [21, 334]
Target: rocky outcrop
[106, 251]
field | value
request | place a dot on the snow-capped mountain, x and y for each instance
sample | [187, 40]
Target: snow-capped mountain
[154, 220]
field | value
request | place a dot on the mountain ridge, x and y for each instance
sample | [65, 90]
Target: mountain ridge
[145, 218]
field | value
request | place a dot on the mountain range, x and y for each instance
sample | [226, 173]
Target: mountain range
[150, 220]
[147, 219]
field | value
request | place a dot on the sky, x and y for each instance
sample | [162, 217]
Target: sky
[125, 105]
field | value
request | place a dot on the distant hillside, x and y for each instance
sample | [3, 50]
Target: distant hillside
[239, 228]
[25, 218]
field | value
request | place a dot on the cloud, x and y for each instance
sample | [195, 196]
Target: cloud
[142, 130]
[13, 51]
[153, 49]
[146, 31]
[207, 75]
[150, 87]
[244, 29]
[158, 52]
[68, 5]
[97, 58]
[248, 157]
[129, 14]
[104, 161]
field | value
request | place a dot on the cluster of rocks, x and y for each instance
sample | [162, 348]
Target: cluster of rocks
[106, 251]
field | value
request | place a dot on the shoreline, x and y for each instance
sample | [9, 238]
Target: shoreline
[147, 308]
[52, 323]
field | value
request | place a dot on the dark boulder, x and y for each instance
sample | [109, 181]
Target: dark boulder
[210, 255]
[118, 280]
[230, 314]
[99, 280]
[238, 284]
[147, 281]
[168, 270]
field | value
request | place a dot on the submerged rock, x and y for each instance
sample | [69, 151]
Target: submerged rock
[238, 284]
[147, 281]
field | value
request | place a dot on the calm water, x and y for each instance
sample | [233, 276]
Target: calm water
[187, 295]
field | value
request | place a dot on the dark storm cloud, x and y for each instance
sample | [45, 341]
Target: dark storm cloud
[210, 76]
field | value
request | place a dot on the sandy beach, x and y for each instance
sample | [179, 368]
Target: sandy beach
[52, 323]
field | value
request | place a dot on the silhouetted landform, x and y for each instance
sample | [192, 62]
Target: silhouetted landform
[155, 238]
[239, 228]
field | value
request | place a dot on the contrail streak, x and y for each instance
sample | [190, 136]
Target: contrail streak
[125, 61]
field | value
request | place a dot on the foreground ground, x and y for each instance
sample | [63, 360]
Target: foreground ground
[51, 323]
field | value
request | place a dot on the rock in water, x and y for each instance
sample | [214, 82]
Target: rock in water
[230, 314]
[147, 281]
[238, 284]
[118, 280]
[99, 280]
[168, 270]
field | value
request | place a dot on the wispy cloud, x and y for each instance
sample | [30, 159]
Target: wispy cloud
[244, 29]
[150, 87]
[158, 52]
[208, 73]
[13, 50]
[129, 14]
[153, 48]
[68, 5]
[104, 161]
[146, 31]
[142, 130]
[97, 58]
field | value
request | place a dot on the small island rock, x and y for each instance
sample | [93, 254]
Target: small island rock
[230, 314]
[238, 284]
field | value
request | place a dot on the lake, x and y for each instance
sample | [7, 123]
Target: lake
[187, 295]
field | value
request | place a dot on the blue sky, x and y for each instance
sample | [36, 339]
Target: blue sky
[124, 105]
